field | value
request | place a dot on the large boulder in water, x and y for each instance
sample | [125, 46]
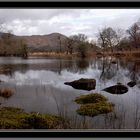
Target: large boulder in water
[84, 84]
[117, 89]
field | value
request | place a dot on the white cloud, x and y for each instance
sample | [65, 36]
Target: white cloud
[66, 21]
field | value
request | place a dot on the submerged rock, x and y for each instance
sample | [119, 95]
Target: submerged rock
[84, 84]
[131, 83]
[117, 89]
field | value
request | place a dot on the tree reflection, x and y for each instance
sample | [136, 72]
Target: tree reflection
[134, 71]
[109, 68]
[82, 65]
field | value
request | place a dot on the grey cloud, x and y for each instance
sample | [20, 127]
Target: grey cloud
[34, 14]
[66, 21]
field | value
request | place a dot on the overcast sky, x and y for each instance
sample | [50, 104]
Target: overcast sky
[66, 21]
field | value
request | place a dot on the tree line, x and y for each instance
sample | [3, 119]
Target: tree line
[11, 45]
[108, 40]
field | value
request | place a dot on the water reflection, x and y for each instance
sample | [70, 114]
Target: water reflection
[82, 65]
[39, 84]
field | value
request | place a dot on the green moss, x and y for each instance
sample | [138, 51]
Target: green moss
[94, 109]
[6, 93]
[93, 105]
[15, 118]
[90, 98]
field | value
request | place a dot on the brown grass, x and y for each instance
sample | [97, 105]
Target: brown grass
[124, 53]
[6, 93]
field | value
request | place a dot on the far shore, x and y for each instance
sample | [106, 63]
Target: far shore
[98, 54]
[135, 53]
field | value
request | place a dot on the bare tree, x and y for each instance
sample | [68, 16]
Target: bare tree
[108, 38]
[102, 39]
[69, 43]
[134, 32]
[81, 38]
[120, 36]
[83, 44]
[76, 41]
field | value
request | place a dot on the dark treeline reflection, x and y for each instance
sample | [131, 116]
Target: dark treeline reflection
[109, 67]
[78, 65]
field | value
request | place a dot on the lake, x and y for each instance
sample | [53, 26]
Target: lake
[39, 87]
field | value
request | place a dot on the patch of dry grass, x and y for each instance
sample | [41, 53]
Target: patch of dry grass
[6, 93]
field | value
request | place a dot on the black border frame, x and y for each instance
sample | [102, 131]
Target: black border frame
[72, 133]
[71, 5]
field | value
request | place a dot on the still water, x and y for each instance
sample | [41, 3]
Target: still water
[39, 87]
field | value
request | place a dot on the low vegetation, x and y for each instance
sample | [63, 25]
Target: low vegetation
[15, 118]
[94, 109]
[93, 105]
[6, 93]
[90, 98]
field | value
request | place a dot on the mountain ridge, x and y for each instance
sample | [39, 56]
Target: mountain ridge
[52, 42]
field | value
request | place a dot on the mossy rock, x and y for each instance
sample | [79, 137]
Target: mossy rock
[90, 98]
[131, 83]
[83, 83]
[15, 118]
[94, 109]
[116, 89]
[6, 93]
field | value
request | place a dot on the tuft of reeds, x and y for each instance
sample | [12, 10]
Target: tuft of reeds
[6, 93]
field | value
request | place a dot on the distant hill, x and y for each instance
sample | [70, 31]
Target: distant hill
[50, 42]
[41, 43]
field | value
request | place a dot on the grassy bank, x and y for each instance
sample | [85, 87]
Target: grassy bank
[135, 53]
[15, 118]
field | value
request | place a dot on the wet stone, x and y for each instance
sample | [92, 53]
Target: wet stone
[84, 84]
[131, 83]
[117, 89]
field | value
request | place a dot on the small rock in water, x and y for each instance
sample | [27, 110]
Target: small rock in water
[131, 83]
[114, 62]
[117, 89]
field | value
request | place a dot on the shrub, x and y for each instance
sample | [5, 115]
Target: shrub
[6, 93]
